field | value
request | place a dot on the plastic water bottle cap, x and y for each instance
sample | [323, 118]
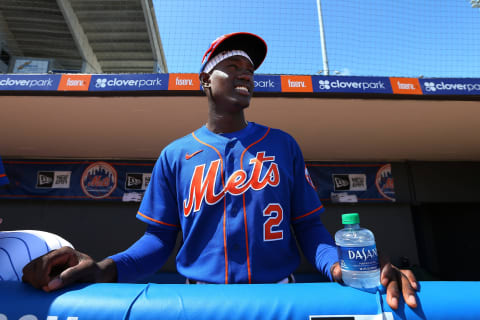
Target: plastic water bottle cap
[350, 218]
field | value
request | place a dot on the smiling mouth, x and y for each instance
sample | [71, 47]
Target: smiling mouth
[242, 89]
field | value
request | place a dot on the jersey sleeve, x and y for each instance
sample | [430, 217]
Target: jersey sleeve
[305, 201]
[317, 245]
[146, 256]
[159, 205]
[3, 175]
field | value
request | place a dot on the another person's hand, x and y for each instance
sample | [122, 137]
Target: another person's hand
[65, 266]
[395, 280]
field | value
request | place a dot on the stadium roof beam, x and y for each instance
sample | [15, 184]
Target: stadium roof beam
[90, 62]
[154, 35]
[79, 33]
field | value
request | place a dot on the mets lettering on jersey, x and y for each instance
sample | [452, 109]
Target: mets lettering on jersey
[203, 188]
[234, 197]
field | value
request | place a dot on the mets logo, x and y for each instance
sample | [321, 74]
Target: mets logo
[384, 182]
[202, 186]
[99, 180]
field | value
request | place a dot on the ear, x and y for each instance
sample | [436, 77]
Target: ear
[205, 79]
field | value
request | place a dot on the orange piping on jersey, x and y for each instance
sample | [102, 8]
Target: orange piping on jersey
[158, 221]
[225, 237]
[245, 208]
[224, 206]
[3, 175]
[309, 213]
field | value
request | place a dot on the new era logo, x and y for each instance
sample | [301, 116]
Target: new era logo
[350, 182]
[53, 179]
[341, 182]
[45, 179]
[137, 181]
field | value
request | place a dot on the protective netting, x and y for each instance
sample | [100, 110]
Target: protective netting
[429, 38]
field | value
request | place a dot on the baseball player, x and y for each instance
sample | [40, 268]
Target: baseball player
[236, 190]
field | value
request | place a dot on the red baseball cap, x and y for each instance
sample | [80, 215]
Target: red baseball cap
[253, 45]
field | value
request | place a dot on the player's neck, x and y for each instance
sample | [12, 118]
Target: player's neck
[226, 123]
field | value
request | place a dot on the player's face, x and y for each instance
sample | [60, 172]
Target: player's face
[232, 82]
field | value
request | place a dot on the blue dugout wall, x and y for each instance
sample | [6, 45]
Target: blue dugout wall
[438, 300]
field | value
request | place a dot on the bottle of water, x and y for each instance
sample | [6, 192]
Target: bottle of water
[357, 253]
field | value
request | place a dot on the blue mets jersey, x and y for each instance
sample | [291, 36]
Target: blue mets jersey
[17, 248]
[3, 175]
[234, 197]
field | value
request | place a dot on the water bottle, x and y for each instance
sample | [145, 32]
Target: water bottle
[357, 254]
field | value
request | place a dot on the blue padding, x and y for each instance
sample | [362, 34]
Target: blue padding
[438, 300]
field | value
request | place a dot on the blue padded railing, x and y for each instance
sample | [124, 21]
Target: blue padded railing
[309, 301]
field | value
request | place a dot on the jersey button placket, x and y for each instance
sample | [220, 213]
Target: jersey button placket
[235, 223]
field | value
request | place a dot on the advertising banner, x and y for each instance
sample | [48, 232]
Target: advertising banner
[114, 180]
[30, 82]
[77, 179]
[406, 86]
[74, 82]
[450, 86]
[353, 182]
[129, 82]
[262, 83]
[296, 83]
[183, 81]
[351, 84]
[265, 83]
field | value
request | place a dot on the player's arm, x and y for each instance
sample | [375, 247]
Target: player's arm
[317, 245]
[145, 256]
[319, 248]
[65, 266]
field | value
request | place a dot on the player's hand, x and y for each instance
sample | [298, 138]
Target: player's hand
[395, 280]
[399, 281]
[336, 272]
[65, 266]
